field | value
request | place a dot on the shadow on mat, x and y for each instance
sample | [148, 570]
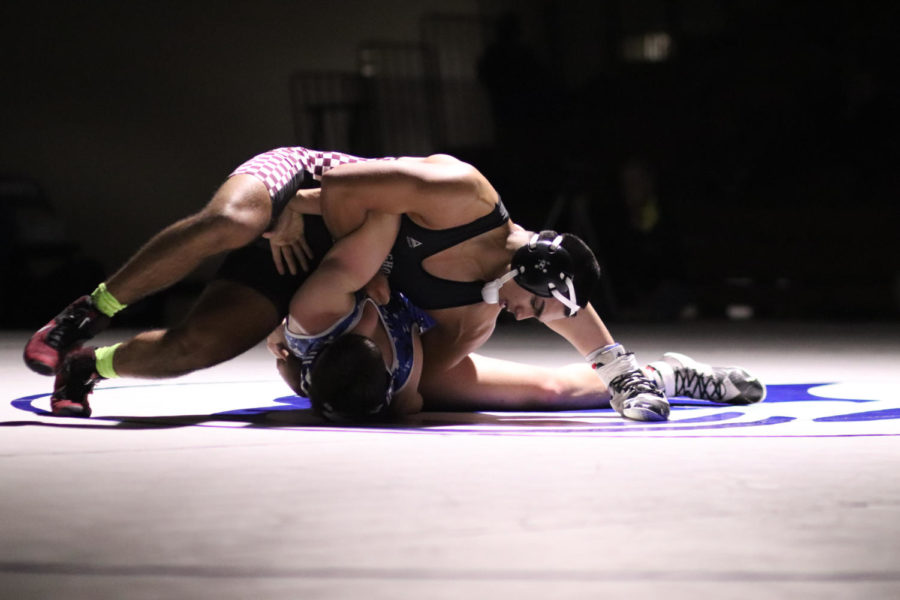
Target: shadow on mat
[294, 411]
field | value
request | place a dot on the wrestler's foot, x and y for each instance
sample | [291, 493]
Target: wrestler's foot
[634, 395]
[681, 375]
[78, 322]
[74, 383]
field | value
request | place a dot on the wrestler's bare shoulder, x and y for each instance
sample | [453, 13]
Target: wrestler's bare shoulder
[445, 162]
[443, 158]
[433, 158]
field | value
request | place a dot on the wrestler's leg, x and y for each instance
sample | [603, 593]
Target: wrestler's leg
[238, 213]
[484, 383]
[228, 319]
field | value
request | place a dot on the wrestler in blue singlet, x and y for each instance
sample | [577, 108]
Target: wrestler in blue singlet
[400, 319]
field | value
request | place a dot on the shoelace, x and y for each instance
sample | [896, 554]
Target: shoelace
[632, 384]
[69, 326]
[693, 384]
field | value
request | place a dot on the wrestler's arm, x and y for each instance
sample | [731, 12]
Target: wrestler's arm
[422, 188]
[483, 383]
[329, 292]
[585, 331]
[435, 187]
[306, 201]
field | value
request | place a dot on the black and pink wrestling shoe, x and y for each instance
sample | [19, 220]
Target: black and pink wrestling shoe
[78, 322]
[74, 383]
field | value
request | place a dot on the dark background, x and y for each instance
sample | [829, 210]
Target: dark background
[725, 159]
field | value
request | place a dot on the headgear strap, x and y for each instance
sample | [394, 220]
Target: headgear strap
[569, 300]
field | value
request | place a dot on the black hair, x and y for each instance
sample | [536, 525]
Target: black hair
[586, 269]
[349, 380]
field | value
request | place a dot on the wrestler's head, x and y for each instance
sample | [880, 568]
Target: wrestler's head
[350, 381]
[550, 277]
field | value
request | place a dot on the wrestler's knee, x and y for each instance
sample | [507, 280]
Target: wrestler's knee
[237, 214]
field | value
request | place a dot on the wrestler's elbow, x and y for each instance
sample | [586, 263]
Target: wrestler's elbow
[549, 391]
[575, 385]
[341, 213]
[333, 190]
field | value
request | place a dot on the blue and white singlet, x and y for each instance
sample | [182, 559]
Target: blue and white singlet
[400, 319]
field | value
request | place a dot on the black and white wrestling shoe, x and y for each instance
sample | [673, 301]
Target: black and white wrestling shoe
[633, 394]
[680, 375]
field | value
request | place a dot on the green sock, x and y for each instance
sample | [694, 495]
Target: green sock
[106, 302]
[103, 359]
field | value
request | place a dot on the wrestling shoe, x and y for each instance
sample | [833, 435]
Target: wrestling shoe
[633, 394]
[77, 323]
[680, 375]
[74, 383]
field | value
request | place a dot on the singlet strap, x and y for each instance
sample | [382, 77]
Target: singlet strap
[441, 239]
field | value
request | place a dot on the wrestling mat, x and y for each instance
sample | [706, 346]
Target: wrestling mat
[790, 410]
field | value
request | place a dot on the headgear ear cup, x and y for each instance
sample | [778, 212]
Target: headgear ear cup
[490, 293]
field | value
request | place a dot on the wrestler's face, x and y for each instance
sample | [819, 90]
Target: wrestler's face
[523, 304]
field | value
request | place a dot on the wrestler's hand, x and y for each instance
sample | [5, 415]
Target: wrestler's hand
[287, 365]
[277, 344]
[378, 289]
[289, 369]
[288, 242]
